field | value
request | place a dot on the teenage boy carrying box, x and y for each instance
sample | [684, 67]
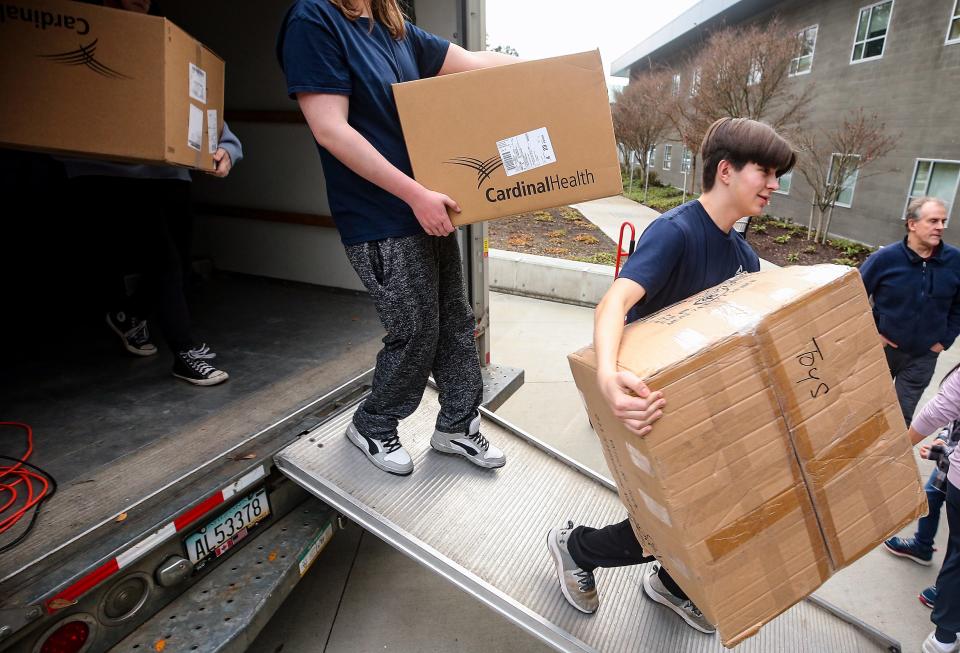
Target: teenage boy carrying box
[688, 249]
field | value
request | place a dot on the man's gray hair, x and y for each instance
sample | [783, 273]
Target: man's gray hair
[913, 208]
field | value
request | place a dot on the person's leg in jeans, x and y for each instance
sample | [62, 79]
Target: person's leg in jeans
[913, 377]
[927, 526]
[946, 613]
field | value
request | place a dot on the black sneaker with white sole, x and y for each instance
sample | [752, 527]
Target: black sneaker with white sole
[192, 366]
[133, 333]
[387, 454]
[471, 445]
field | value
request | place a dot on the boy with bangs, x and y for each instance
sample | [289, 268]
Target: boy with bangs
[688, 249]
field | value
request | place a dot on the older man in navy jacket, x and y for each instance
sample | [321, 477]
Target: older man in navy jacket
[915, 288]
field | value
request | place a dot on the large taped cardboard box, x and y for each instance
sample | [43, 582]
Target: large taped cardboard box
[781, 456]
[515, 138]
[88, 80]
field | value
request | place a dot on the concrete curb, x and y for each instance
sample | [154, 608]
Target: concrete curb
[554, 279]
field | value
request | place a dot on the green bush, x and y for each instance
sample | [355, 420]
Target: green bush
[782, 239]
[810, 249]
[603, 258]
[846, 261]
[758, 228]
[793, 257]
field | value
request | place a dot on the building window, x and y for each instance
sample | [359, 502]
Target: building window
[785, 181]
[953, 31]
[667, 155]
[695, 80]
[872, 28]
[936, 178]
[685, 161]
[845, 198]
[651, 156]
[676, 84]
[801, 64]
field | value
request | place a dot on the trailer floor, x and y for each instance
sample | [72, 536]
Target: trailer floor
[100, 415]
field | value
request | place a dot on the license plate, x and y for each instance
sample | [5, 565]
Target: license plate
[225, 531]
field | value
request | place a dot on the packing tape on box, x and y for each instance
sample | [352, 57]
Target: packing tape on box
[751, 525]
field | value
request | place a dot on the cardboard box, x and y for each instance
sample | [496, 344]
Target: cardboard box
[516, 138]
[88, 80]
[782, 454]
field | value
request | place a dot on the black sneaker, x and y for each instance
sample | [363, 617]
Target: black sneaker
[192, 366]
[133, 333]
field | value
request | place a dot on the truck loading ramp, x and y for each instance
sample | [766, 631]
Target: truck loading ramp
[485, 531]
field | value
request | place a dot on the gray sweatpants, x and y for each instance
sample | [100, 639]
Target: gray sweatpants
[417, 286]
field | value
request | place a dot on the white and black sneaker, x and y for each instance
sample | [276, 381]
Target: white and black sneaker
[471, 445]
[387, 454]
[192, 366]
[133, 333]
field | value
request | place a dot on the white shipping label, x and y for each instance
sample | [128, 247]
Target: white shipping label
[195, 127]
[213, 131]
[526, 151]
[198, 84]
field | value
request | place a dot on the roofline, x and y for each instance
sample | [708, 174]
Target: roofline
[689, 21]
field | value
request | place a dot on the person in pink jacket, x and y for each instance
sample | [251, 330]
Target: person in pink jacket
[939, 411]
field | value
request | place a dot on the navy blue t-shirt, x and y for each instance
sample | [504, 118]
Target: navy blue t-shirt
[321, 51]
[681, 253]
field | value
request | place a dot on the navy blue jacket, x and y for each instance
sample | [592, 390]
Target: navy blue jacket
[916, 302]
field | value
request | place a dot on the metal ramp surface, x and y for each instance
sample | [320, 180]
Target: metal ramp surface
[485, 531]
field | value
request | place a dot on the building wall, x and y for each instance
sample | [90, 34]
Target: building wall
[914, 88]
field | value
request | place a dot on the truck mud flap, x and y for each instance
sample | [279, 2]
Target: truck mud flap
[485, 531]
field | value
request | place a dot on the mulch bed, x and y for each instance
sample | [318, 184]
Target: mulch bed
[786, 243]
[561, 233]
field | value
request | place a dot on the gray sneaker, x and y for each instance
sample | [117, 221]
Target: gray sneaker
[471, 445]
[577, 585]
[387, 454]
[683, 607]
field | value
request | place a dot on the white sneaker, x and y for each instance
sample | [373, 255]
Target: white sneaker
[932, 645]
[655, 589]
[471, 445]
[387, 454]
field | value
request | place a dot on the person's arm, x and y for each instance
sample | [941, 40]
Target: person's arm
[631, 400]
[459, 60]
[870, 274]
[941, 410]
[229, 152]
[326, 114]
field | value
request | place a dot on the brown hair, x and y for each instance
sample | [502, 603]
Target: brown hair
[385, 12]
[741, 141]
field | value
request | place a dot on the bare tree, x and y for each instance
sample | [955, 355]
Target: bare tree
[740, 72]
[639, 119]
[831, 157]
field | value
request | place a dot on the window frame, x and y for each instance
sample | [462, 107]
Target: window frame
[686, 160]
[913, 178]
[652, 156]
[695, 80]
[780, 190]
[954, 18]
[856, 178]
[886, 34]
[675, 85]
[666, 161]
[812, 51]
[755, 76]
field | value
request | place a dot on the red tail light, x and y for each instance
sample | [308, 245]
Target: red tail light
[68, 638]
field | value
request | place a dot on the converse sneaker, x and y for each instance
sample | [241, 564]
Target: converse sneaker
[932, 645]
[656, 590]
[907, 547]
[192, 366]
[471, 445]
[578, 586]
[387, 454]
[133, 333]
